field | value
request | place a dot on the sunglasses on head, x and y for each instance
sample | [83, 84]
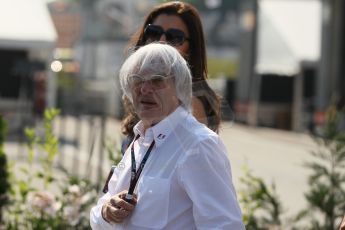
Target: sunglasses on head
[173, 36]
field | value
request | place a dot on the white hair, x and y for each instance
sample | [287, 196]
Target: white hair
[163, 59]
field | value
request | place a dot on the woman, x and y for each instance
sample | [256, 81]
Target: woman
[178, 24]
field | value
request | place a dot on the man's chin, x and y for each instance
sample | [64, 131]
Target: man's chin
[150, 114]
[147, 115]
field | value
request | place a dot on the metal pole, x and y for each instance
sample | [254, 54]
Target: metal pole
[297, 103]
[247, 57]
[76, 152]
[255, 83]
[324, 72]
[101, 153]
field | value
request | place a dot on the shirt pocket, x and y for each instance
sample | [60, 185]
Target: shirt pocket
[151, 210]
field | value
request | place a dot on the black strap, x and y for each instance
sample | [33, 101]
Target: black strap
[126, 143]
[135, 174]
[111, 172]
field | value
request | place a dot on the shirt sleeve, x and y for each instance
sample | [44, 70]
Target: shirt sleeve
[205, 174]
[96, 219]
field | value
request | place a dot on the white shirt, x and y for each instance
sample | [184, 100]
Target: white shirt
[185, 184]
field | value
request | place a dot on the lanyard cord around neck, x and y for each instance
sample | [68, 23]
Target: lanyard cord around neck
[134, 173]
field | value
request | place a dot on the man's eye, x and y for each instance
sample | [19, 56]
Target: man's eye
[157, 80]
[137, 81]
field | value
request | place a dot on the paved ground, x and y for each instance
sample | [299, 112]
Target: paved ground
[274, 155]
[271, 154]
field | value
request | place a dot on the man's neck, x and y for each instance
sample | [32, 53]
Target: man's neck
[149, 124]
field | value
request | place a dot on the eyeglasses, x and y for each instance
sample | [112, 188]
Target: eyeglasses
[156, 81]
[173, 36]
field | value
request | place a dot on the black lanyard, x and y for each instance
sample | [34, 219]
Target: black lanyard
[134, 173]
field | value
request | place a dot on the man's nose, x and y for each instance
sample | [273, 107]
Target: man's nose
[146, 87]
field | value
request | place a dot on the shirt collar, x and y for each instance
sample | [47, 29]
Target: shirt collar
[139, 129]
[162, 129]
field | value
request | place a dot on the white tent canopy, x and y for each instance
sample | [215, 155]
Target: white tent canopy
[289, 31]
[26, 24]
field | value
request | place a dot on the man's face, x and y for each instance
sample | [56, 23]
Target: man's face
[154, 97]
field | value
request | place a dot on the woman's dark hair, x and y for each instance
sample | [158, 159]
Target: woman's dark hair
[196, 60]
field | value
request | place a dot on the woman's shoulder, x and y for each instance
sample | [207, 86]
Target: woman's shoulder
[199, 110]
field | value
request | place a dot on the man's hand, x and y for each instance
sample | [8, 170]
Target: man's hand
[116, 210]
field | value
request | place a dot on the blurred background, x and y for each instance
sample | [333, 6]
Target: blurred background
[278, 64]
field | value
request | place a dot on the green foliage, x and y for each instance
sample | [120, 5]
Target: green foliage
[114, 155]
[45, 197]
[222, 67]
[48, 146]
[260, 203]
[326, 194]
[4, 176]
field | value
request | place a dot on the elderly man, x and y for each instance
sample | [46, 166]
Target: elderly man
[175, 174]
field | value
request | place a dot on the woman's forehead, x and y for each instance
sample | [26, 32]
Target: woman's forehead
[167, 21]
